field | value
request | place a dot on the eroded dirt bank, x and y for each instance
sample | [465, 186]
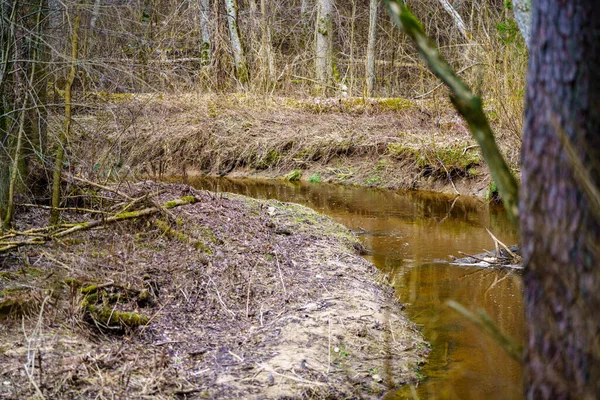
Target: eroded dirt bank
[391, 143]
[234, 298]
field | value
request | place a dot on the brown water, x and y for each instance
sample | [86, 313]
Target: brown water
[410, 235]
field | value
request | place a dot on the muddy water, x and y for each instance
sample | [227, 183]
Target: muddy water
[410, 236]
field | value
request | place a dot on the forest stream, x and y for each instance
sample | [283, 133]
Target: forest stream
[410, 236]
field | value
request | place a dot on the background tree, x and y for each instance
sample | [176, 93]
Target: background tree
[370, 78]
[522, 10]
[324, 46]
[239, 55]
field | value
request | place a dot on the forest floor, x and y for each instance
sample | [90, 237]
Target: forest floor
[224, 297]
[391, 142]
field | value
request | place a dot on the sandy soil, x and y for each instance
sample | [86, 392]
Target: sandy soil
[235, 298]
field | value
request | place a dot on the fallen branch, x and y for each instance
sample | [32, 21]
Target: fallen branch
[84, 226]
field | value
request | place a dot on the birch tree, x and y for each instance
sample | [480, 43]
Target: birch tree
[370, 69]
[239, 57]
[266, 49]
[458, 21]
[324, 46]
[204, 7]
[522, 10]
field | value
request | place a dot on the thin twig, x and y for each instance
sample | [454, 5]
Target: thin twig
[280, 274]
[219, 297]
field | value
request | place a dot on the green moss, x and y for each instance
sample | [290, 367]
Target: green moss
[111, 318]
[201, 246]
[294, 175]
[72, 282]
[457, 158]
[315, 178]
[270, 159]
[453, 158]
[30, 272]
[491, 192]
[373, 180]
[395, 104]
[400, 150]
[89, 289]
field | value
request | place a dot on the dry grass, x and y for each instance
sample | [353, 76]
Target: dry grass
[378, 142]
[258, 309]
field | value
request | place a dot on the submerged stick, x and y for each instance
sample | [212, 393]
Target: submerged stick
[489, 327]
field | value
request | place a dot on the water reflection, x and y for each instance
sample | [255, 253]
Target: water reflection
[408, 235]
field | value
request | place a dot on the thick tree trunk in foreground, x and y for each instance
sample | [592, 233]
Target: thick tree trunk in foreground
[558, 225]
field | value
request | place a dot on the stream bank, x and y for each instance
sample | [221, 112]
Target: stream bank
[243, 298]
[386, 142]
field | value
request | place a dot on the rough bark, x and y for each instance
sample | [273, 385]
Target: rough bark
[324, 49]
[522, 11]
[239, 57]
[370, 78]
[559, 227]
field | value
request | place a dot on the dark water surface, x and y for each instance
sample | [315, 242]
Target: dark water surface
[410, 235]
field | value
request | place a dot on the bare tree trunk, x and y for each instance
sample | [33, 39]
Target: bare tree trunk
[352, 66]
[7, 48]
[266, 47]
[205, 54]
[458, 21]
[16, 161]
[324, 49]
[305, 11]
[95, 13]
[65, 133]
[522, 10]
[370, 72]
[239, 57]
[560, 223]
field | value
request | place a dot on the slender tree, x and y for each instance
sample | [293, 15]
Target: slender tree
[458, 21]
[324, 43]
[239, 56]
[205, 28]
[559, 210]
[522, 11]
[370, 68]
[66, 131]
[266, 48]
[7, 48]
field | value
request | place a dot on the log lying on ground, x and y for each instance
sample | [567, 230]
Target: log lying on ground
[83, 226]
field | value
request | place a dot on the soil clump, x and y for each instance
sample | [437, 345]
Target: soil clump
[223, 297]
